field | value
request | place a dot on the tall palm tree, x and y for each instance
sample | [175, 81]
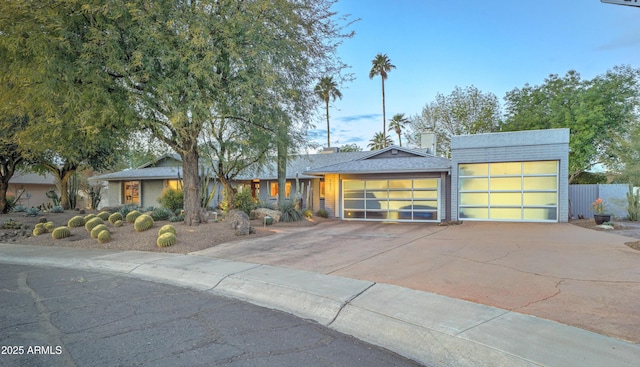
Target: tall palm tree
[379, 141]
[381, 65]
[327, 89]
[397, 123]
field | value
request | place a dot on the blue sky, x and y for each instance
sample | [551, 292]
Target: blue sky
[495, 45]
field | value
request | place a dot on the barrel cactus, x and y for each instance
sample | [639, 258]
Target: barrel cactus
[91, 223]
[104, 236]
[115, 217]
[103, 215]
[97, 229]
[167, 228]
[49, 226]
[60, 232]
[88, 217]
[142, 223]
[132, 216]
[37, 231]
[76, 221]
[117, 223]
[166, 239]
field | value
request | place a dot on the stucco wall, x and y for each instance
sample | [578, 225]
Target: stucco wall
[534, 145]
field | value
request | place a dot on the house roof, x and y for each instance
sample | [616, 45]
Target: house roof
[386, 161]
[30, 178]
[392, 159]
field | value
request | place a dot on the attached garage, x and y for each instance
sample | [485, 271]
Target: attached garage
[512, 176]
[509, 191]
[391, 199]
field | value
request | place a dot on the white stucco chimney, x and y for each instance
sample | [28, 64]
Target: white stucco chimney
[428, 141]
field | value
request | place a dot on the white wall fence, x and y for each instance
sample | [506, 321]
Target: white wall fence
[614, 197]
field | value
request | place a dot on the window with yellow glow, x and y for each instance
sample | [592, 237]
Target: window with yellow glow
[322, 189]
[274, 189]
[174, 184]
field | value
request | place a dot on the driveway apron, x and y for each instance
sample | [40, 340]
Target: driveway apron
[559, 272]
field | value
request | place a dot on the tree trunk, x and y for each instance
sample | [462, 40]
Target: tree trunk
[328, 132]
[384, 118]
[64, 180]
[4, 185]
[229, 192]
[192, 211]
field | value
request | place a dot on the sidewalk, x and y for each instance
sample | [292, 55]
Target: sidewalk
[432, 329]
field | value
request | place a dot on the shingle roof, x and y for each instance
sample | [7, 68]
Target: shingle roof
[21, 177]
[141, 174]
[387, 165]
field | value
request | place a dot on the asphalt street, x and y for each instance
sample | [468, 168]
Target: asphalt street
[66, 317]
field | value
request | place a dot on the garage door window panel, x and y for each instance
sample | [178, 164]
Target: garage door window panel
[474, 184]
[474, 213]
[475, 169]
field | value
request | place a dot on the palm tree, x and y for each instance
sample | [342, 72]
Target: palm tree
[381, 65]
[397, 123]
[379, 141]
[327, 89]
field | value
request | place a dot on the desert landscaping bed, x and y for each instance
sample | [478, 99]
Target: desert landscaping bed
[190, 238]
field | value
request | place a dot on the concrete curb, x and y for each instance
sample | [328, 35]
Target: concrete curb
[429, 328]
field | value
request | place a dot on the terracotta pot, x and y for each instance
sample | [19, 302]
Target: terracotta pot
[602, 218]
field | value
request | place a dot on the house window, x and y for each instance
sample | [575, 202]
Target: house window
[274, 189]
[132, 192]
[174, 184]
[321, 189]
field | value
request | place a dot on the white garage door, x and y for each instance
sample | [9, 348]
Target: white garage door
[395, 200]
[509, 191]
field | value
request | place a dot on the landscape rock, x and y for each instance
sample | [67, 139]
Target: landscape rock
[260, 213]
[239, 221]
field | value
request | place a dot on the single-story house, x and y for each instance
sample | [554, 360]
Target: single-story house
[513, 176]
[31, 188]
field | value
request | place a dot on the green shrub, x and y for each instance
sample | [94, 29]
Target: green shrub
[92, 223]
[177, 218]
[103, 215]
[323, 213]
[76, 221]
[142, 223]
[132, 216]
[166, 240]
[244, 201]
[126, 209]
[57, 209]
[161, 214]
[307, 213]
[114, 217]
[172, 199]
[60, 232]
[104, 236]
[167, 228]
[32, 212]
[97, 229]
[290, 213]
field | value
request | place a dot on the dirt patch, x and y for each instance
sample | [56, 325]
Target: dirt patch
[633, 245]
[190, 238]
[591, 224]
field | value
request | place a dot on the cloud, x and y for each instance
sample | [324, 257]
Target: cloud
[316, 133]
[359, 117]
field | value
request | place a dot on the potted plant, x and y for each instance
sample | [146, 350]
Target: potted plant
[598, 209]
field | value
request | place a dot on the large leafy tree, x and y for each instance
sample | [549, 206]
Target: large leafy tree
[11, 156]
[464, 111]
[381, 66]
[73, 116]
[189, 64]
[599, 112]
[379, 141]
[327, 89]
[397, 123]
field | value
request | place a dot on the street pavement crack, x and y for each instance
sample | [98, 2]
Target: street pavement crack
[349, 301]
[52, 333]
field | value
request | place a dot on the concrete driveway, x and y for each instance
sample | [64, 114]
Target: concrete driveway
[560, 272]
